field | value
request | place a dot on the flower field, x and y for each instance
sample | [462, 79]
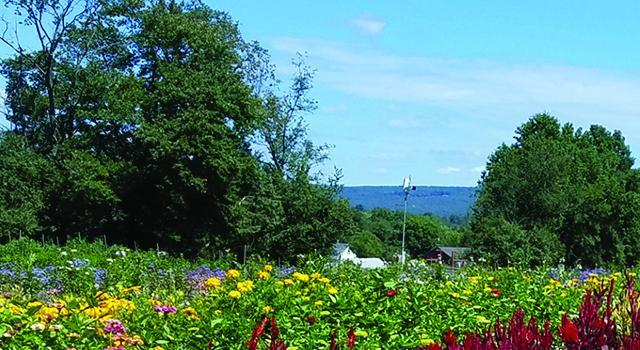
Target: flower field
[89, 296]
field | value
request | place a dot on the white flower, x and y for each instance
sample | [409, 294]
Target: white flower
[110, 260]
[37, 327]
[63, 253]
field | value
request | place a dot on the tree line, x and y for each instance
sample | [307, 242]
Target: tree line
[156, 123]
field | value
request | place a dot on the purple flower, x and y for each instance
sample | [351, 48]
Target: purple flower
[78, 263]
[287, 271]
[99, 275]
[196, 277]
[166, 309]
[114, 327]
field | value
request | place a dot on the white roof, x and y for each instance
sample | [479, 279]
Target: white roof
[372, 263]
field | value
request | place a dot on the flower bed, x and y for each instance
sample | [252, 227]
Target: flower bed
[88, 296]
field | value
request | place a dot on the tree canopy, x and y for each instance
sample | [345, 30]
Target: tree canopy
[144, 116]
[558, 192]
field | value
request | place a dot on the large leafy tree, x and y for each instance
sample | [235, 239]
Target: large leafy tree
[147, 112]
[558, 192]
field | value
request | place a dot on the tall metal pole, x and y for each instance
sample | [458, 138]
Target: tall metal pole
[404, 227]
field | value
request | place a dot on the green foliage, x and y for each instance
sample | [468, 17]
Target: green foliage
[365, 244]
[562, 193]
[399, 307]
[423, 232]
[23, 177]
[146, 116]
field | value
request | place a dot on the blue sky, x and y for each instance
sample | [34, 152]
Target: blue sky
[431, 88]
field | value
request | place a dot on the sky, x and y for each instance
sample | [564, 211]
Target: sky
[431, 88]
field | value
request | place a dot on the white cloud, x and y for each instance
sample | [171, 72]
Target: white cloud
[449, 170]
[368, 25]
[484, 90]
[382, 170]
[478, 169]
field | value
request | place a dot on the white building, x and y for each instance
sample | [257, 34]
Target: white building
[342, 252]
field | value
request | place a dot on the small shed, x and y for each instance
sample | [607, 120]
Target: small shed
[452, 256]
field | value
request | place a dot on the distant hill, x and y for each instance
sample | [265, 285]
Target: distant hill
[441, 201]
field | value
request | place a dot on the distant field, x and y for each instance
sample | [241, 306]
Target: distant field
[441, 201]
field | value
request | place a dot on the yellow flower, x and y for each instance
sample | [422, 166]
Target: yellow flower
[245, 286]
[482, 319]
[234, 294]
[16, 310]
[332, 290]
[158, 348]
[34, 304]
[191, 313]
[134, 289]
[47, 313]
[318, 303]
[426, 341]
[267, 268]
[267, 309]
[233, 273]
[212, 283]
[263, 275]
[316, 276]
[474, 279]
[325, 280]
[288, 281]
[361, 333]
[454, 295]
[302, 277]
[155, 302]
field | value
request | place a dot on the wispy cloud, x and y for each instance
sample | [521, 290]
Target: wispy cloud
[405, 123]
[484, 89]
[449, 170]
[368, 25]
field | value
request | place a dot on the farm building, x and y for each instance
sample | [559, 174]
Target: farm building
[452, 256]
[342, 253]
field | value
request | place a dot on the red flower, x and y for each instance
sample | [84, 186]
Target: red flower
[495, 292]
[449, 339]
[258, 331]
[568, 331]
[351, 338]
[435, 346]
[392, 293]
[333, 345]
[311, 320]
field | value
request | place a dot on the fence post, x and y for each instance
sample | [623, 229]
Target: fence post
[245, 254]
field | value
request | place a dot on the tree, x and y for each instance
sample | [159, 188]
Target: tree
[563, 191]
[147, 113]
[23, 178]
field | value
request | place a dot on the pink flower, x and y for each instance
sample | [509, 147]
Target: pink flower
[115, 327]
[166, 309]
